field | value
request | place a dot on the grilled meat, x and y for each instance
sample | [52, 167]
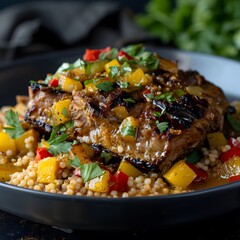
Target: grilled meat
[188, 118]
[150, 122]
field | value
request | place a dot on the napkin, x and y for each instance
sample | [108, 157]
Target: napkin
[39, 27]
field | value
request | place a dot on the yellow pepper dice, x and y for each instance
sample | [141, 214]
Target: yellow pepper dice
[128, 128]
[180, 174]
[79, 151]
[129, 169]
[216, 139]
[60, 112]
[47, 170]
[6, 170]
[137, 78]
[70, 84]
[120, 112]
[100, 184]
[7, 143]
[91, 87]
[21, 144]
[113, 63]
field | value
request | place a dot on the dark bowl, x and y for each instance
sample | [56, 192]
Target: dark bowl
[136, 213]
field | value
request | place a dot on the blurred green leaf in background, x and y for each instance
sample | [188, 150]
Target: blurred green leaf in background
[209, 26]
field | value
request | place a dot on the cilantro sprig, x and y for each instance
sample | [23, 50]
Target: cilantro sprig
[14, 127]
[88, 170]
[58, 144]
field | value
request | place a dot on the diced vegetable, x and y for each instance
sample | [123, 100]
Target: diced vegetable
[180, 175]
[195, 90]
[6, 170]
[60, 112]
[21, 144]
[128, 128]
[137, 78]
[53, 82]
[79, 151]
[216, 139]
[70, 84]
[168, 65]
[7, 143]
[100, 184]
[225, 156]
[230, 168]
[113, 63]
[95, 67]
[118, 181]
[42, 153]
[93, 54]
[129, 169]
[47, 170]
[120, 112]
[202, 175]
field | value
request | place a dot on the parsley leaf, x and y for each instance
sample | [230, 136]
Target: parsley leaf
[88, 170]
[107, 156]
[58, 143]
[162, 126]
[129, 100]
[14, 128]
[128, 130]
[105, 86]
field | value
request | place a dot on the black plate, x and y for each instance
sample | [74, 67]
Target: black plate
[137, 213]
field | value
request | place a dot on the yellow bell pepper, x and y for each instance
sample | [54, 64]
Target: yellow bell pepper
[137, 78]
[7, 143]
[180, 175]
[60, 112]
[113, 63]
[120, 112]
[216, 139]
[79, 151]
[100, 184]
[6, 170]
[47, 168]
[70, 84]
[129, 169]
[20, 141]
[128, 128]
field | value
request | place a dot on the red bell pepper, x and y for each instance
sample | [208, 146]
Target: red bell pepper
[233, 142]
[118, 181]
[53, 82]
[202, 175]
[93, 54]
[234, 178]
[225, 156]
[42, 153]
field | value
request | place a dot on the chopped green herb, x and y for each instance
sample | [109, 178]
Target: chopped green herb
[65, 112]
[234, 122]
[180, 92]
[149, 60]
[194, 157]
[64, 127]
[14, 127]
[168, 96]
[75, 162]
[88, 170]
[107, 156]
[105, 86]
[158, 114]
[150, 95]
[128, 130]
[114, 71]
[69, 66]
[162, 126]
[124, 84]
[129, 100]
[134, 49]
[126, 68]
[58, 143]
[113, 53]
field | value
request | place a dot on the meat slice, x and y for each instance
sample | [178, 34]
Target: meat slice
[188, 105]
[41, 99]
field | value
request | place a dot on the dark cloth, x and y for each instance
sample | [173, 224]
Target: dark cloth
[37, 27]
